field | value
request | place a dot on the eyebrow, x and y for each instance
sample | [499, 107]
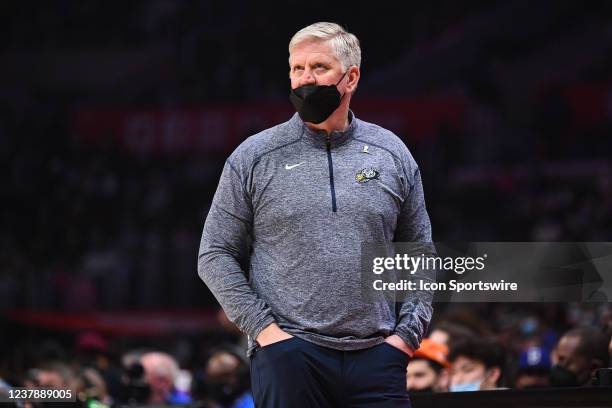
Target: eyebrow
[312, 64]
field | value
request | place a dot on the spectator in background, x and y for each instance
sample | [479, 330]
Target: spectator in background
[226, 380]
[92, 350]
[161, 371]
[534, 368]
[55, 375]
[446, 333]
[134, 386]
[87, 385]
[428, 369]
[91, 389]
[477, 365]
[577, 356]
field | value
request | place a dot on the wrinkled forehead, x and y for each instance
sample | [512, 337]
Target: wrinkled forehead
[309, 52]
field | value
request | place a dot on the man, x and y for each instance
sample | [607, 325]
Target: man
[226, 379]
[281, 244]
[476, 365]
[161, 372]
[50, 374]
[534, 368]
[578, 355]
[53, 374]
[428, 369]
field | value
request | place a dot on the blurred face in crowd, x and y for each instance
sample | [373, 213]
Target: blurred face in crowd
[530, 380]
[50, 379]
[420, 376]
[160, 371]
[439, 336]
[222, 365]
[225, 378]
[314, 62]
[566, 356]
[472, 375]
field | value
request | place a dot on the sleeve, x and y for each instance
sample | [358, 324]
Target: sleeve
[414, 227]
[224, 244]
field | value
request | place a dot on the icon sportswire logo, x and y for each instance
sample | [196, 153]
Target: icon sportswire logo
[292, 166]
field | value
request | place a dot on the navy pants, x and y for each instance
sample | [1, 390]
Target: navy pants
[294, 373]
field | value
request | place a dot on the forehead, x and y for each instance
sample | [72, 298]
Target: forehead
[462, 361]
[418, 366]
[222, 363]
[312, 51]
[568, 345]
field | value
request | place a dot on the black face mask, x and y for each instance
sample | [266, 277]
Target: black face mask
[562, 377]
[316, 103]
[223, 393]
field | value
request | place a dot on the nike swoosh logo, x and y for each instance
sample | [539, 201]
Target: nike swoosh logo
[289, 167]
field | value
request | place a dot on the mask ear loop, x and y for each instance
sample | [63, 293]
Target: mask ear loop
[342, 77]
[340, 80]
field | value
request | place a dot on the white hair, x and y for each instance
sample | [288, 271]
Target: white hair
[344, 44]
[160, 364]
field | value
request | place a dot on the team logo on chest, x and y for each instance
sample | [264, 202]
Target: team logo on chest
[365, 175]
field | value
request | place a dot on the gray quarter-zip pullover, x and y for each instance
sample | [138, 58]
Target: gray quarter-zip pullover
[283, 236]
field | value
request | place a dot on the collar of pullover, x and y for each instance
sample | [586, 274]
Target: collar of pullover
[319, 138]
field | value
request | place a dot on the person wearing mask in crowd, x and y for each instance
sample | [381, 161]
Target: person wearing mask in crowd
[577, 356]
[280, 248]
[428, 369]
[226, 382]
[534, 368]
[477, 365]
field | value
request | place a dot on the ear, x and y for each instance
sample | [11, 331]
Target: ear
[493, 377]
[554, 357]
[353, 78]
[444, 379]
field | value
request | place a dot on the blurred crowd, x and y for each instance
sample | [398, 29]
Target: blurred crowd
[532, 347]
[99, 375]
[470, 348]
